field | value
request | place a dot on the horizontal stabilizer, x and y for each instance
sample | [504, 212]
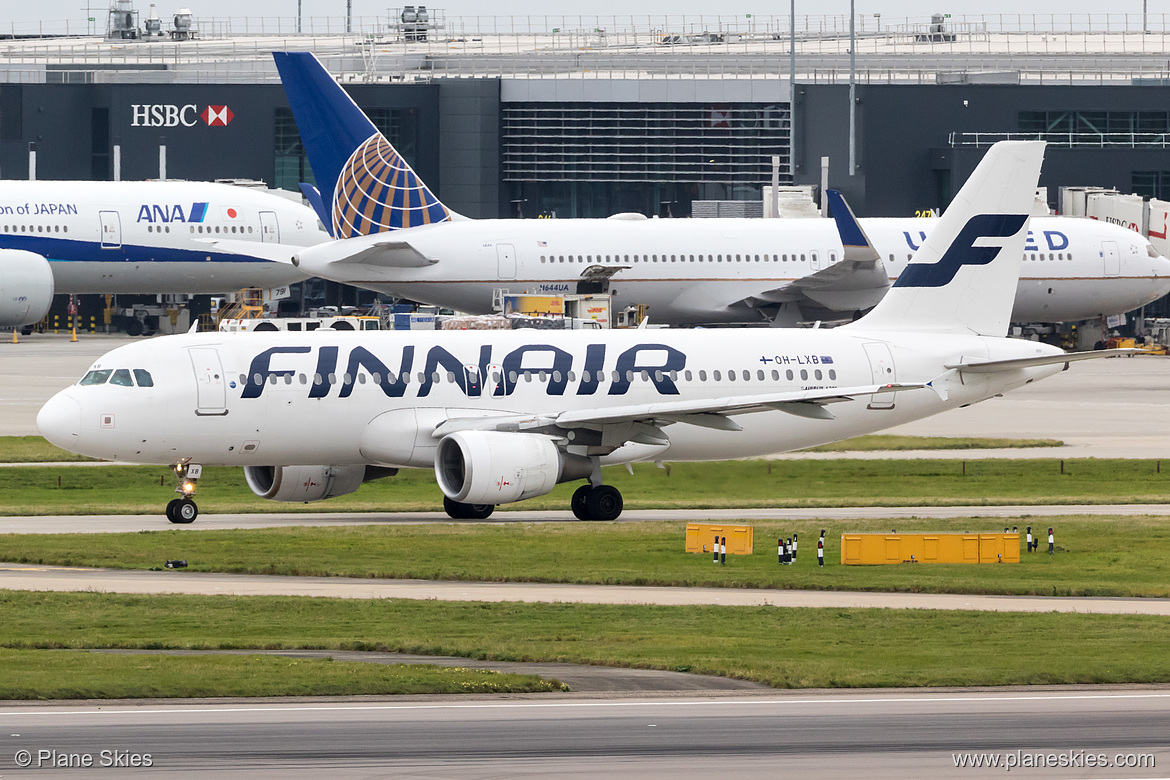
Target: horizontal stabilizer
[845, 286]
[995, 366]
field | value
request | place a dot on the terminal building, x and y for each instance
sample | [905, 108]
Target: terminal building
[587, 117]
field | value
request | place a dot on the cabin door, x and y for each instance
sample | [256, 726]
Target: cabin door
[269, 227]
[506, 256]
[111, 229]
[1111, 257]
[209, 382]
[881, 364]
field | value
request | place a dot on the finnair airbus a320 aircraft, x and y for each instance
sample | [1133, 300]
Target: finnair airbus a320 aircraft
[139, 237]
[406, 243]
[502, 417]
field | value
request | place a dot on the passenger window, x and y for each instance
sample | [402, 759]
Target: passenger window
[731, 375]
[775, 375]
[818, 374]
[361, 379]
[788, 374]
[748, 375]
[832, 374]
[96, 377]
[687, 375]
[760, 375]
[716, 375]
[702, 376]
[803, 374]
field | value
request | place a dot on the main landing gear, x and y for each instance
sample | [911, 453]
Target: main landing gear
[597, 502]
[460, 511]
[183, 510]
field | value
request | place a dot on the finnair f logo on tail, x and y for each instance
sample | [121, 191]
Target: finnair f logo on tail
[963, 251]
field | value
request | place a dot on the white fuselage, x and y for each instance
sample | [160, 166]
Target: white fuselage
[302, 399]
[152, 237]
[703, 270]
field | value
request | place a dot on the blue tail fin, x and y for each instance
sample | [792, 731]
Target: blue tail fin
[854, 241]
[367, 185]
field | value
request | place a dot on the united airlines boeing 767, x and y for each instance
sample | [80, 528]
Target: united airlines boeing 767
[406, 242]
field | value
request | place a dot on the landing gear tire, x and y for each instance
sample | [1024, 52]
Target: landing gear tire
[580, 502]
[602, 503]
[185, 511]
[457, 510]
[133, 327]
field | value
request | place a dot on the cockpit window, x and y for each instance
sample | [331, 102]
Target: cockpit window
[96, 377]
[122, 377]
[142, 376]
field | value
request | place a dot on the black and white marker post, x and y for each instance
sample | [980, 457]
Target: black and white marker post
[723, 551]
[821, 550]
[1051, 542]
[715, 549]
[795, 544]
[780, 550]
[1031, 545]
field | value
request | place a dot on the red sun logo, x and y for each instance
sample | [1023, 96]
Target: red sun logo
[231, 213]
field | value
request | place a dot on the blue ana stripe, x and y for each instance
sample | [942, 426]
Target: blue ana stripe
[70, 250]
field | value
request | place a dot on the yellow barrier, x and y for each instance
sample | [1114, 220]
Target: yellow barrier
[739, 538]
[872, 549]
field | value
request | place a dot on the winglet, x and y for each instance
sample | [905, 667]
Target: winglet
[855, 242]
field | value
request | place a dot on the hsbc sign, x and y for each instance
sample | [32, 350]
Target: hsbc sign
[171, 115]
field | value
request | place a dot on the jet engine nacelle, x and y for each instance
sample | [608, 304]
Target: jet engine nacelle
[489, 467]
[26, 287]
[310, 483]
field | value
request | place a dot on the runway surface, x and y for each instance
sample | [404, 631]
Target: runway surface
[81, 524]
[839, 734]
[15, 576]
[1116, 408]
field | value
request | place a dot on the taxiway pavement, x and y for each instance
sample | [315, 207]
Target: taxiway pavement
[15, 576]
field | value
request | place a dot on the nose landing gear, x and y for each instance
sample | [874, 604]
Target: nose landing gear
[184, 510]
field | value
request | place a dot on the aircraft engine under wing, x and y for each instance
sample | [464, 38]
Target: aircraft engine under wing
[26, 287]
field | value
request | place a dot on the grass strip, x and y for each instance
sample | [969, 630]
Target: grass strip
[900, 443]
[788, 648]
[52, 490]
[77, 674]
[1095, 557]
[34, 449]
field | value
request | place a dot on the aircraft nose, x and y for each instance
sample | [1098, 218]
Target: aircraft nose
[60, 421]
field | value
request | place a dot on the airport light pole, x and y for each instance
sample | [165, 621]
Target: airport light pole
[852, 93]
[791, 91]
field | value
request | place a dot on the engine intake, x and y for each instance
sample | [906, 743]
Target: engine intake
[310, 483]
[26, 287]
[489, 467]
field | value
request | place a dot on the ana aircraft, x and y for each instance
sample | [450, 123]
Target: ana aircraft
[502, 417]
[409, 244]
[139, 237]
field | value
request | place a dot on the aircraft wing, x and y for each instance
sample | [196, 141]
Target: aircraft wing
[641, 421]
[848, 285]
[857, 282]
[277, 253]
[378, 249]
